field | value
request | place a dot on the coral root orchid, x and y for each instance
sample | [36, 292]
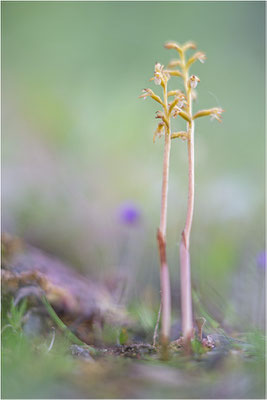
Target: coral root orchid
[177, 103]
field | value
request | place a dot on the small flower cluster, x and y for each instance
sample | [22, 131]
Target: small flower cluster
[181, 103]
[160, 75]
[178, 104]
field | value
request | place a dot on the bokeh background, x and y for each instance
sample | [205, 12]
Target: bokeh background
[77, 146]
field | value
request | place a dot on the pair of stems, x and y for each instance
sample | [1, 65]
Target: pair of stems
[185, 273]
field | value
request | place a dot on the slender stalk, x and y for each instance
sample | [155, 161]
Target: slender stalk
[165, 182]
[156, 327]
[161, 236]
[185, 270]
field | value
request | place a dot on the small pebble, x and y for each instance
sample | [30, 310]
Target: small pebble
[80, 352]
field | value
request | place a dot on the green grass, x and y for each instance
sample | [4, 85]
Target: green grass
[30, 371]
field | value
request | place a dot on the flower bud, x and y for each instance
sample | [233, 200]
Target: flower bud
[159, 131]
[173, 45]
[149, 93]
[157, 80]
[174, 93]
[175, 111]
[159, 114]
[193, 81]
[180, 135]
[144, 94]
[201, 57]
[174, 63]
[216, 113]
[158, 73]
[189, 45]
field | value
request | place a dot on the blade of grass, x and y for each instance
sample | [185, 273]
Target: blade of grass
[69, 335]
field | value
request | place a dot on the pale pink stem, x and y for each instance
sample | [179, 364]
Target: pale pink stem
[164, 272]
[156, 327]
[166, 303]
[165, 181]
[185, 273]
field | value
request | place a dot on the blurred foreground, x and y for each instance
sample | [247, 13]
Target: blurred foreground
[122, 363]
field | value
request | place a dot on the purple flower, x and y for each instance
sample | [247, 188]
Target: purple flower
[261, 260]
[129, 213]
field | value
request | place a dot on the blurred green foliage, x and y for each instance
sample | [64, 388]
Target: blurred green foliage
[16, 314]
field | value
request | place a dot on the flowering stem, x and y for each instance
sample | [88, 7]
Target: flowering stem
[186, 295]
[185, 270]
[161, 236]
[165, 181]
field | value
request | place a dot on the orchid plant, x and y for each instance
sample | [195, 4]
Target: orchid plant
[177, 103]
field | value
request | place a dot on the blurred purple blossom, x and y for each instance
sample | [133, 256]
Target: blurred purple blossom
[129, 213]
[261, 260]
